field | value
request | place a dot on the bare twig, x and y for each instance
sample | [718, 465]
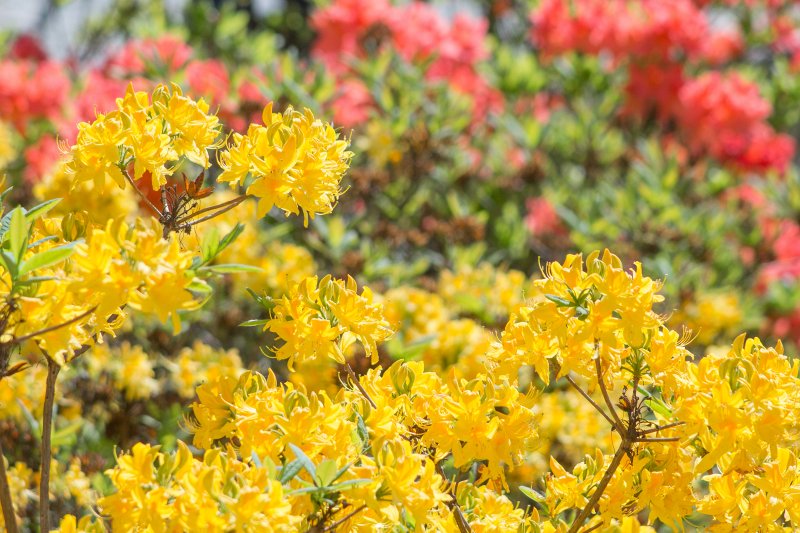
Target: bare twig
[142, 195]
[623, 449]
[591, 401]
[458, 514]
[9, 517]
[658, 439]
[617, 422]
[219, 209]
[53, 368]
[19, 340]
[358, 385]
[660, 428]
[344, 519]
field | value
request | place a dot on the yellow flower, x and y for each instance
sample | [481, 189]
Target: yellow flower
[296, 161]
[323, 318]
[151, 136]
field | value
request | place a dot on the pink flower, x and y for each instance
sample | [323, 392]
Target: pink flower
[40, 158]
[725, 116]
[27, 47]
[208, 78]
[166, 52]
[31, 91]
[542, 218]
[352, 104]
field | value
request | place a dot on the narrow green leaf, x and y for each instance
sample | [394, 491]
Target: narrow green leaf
[47, 258]
[230, 237]
[41, 209]
[253, 323]
[17, 234]
[304, 460]
[231, 268]
[559, 300]
[290, 470]
[350, 483]
[10, 262]
[532, 494]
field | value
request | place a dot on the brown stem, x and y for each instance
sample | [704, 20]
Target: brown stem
[20, 340]
[458, 514]
[660, 428]
[591, 401]
[142, 195]
[358, 385]
[218, 210]
[617, 422]
[658, 439]
[9, 517]
[623, 449]
[344, 519]
[47, 425]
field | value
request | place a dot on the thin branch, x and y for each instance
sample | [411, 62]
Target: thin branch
[618, 423]
[347, 517]
[458, 514]
[53, 369]
[591, 401]
[142, 195]
[20, 340]
[623, 449]
[218, 208]
[660, 428]
[358, 385]
[659, 439]
[596, 526]
[9, 517]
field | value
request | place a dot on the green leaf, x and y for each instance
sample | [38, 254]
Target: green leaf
[10, 262]
[326, 472]
[532, 494]
[229, 237]
[253, 323]
[350, 483]
[231, 268]
[361, 428]
[47, 258]
[41, 209]
[199, 286]
[17, 234]
[304, 460]
[559, 300]
[290, 470]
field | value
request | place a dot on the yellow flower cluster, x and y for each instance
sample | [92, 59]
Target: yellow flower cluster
[83, 197]
[268, 421]
[324, 318]
[115, 266]
[475, 420]
[202, 363]
[710, 315]
[151, 133]
[485, 291]
[296, 162]
[658, 479]
[393, 446]
[591, 309]
[129, 367]
[283, 265]
[177, 492]
[71, 483]
[742, 416]
[425, 324]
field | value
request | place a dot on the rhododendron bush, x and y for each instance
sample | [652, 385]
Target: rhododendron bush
[397, 265]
